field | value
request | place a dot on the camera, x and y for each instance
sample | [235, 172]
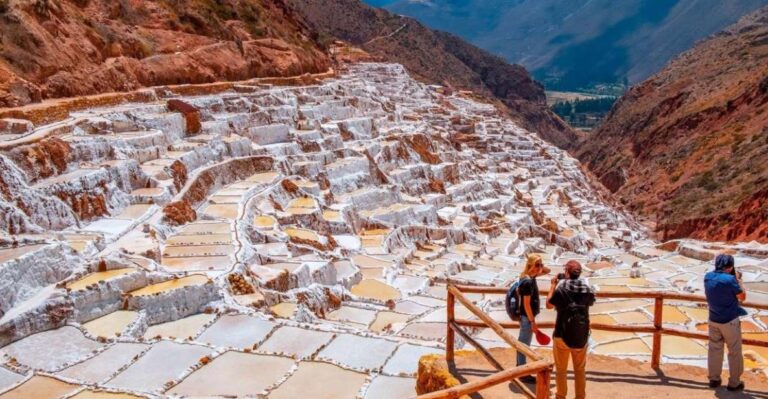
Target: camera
[561, 276]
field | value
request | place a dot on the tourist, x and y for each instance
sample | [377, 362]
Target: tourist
[528, 292]
[725, 292]
[571, 297]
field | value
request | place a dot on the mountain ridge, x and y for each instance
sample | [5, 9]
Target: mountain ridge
[582, 43]
[688, 148]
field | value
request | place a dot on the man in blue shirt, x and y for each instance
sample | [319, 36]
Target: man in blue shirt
[724, 293]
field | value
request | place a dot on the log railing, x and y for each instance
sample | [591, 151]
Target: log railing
[657, 329]
[539, 366]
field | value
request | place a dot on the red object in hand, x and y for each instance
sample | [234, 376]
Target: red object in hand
[542, 339]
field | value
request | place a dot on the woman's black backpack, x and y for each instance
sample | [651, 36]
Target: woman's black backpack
[512, 302]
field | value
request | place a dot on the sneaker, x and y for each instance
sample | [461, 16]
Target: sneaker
[739, 387]
[528, 379]
[715, 383]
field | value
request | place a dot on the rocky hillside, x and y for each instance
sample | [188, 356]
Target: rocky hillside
[62, 48]
[437, 57]
[688, 148]
[580, 43]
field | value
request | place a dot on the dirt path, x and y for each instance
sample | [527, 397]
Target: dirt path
[609, 377]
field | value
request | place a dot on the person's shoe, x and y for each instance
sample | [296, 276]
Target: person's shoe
[715, 383]
[739, 387]
[528, 379]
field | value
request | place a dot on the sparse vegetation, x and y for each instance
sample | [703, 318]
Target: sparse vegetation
[584, 113]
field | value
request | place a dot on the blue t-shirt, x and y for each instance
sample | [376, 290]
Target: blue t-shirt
[721, 289]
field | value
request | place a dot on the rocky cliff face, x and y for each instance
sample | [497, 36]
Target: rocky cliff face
[64, 48]
[688, 148]
[437, 57]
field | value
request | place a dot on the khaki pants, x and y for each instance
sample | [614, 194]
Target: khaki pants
[719, 336]
[561, 353]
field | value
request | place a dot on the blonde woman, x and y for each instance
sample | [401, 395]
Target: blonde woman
[528, 291]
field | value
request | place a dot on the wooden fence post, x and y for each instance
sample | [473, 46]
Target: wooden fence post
[449, 340]
[658, 313]
[542, 383]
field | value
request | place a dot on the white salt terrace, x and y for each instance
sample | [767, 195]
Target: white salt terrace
[325, 261]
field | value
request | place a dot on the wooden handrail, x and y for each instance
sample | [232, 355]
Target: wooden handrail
[474, 289]
[638, 328]
[657, 329]
[489, 381]
[539, 366]
[494, 325]
[489, 357]
[542, 368]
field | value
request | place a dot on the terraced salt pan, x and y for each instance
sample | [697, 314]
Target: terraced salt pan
[110, 226]
[263, 178]
[301, 206]
[223, 211]
[199, 239]
[232, 374]
[428, 331]
[386, 387]
[375, 289]
[375, 354]
[205, 227]
[352, 314]
[671, 314]
[93, 278]
[165, 286]
[166, 361]
[36, 351]
[197, 263]
[632, 317]
[284, 309]
[104, 365]
[133, 212]
[239, 331]
[40, 387]
[112, 324]
[294, 341]
[405, 361]
[198, 250]
[264, 222]
[617, 305]
[411, 307]
[7, 254]
[8, 378]
[388, 320]
[679, 346]
[632, 346]
[314, 377]
[182, 328]
[91, 394]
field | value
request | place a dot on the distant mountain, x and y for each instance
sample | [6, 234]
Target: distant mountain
[437, 57]
[580, 43]
[688, 148]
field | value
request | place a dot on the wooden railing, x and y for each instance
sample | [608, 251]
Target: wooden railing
[539, 366]
[657, 329]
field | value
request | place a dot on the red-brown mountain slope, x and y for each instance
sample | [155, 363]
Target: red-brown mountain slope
[688, 148]
[63, 48]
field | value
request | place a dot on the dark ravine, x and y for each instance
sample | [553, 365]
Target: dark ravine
[437, 57]
[688, 148]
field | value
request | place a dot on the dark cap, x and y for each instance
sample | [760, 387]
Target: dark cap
[573, 268]
[723, 261]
